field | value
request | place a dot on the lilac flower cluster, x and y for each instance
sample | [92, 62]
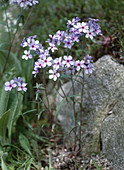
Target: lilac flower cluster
[24, 3]
[17, 83]
[66, 64]
[33, 45]
[75, 29]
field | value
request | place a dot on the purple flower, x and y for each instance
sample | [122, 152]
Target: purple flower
[52, 47]
[88, 59]
[90, 33]
[53, 75]
[59, 36]
[75, 38]
[17, 82]
[74, 31]
[23, 3]
[82, 27]
[93, 20]
[68, 61]
[57, 63]
[79, 64]
[47, 61]
[34, 45]
[32, 37]
[9, 85]
[68, 42]
[89, 68]
[27, 55]
[25, 43]
[74, 20]
[97, 29]
[38, 64]
[21, 86]
[35, 72]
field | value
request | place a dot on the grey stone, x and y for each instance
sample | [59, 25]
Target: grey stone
[101, 91]
[112, 133]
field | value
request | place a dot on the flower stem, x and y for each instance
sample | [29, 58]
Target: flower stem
[75, 115]
[81, 109]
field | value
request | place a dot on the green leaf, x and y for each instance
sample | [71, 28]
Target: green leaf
[3, 126]
[60, 105]
[29, 111]
[43, 139]
[39, 115]
[3, 166]
[34, 145]
[13, 62]
[25, 143]
[4, 96]
[27, 67]
[14, 105]
[28, 164]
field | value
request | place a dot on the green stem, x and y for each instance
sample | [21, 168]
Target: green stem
[46, 95]
[75, 114]
[81, 110]
[7, 22]
[9, 51]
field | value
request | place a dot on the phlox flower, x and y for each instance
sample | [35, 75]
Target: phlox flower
[59, 36]
[39, 64]
[68, 61]
[25, 43]
[88, 59]
[21, 86]
[27, 55]
[47, 61]
[34, 45]
[9, 85]
[75, 38]
[52, 39]
[93, 25]
[74, 20]
[57, 63]
[24, 3]
[79, 64]
[13, 1]
[52, 47]
[53, 75]
[68, 42]
[32, 37]
[93, 20]
[35, 72]
[82, 27]
[90, 33]
[74, 30]
[34, 2]
[18, 80]
[89, 68]
[16, 83]
[97, 29]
